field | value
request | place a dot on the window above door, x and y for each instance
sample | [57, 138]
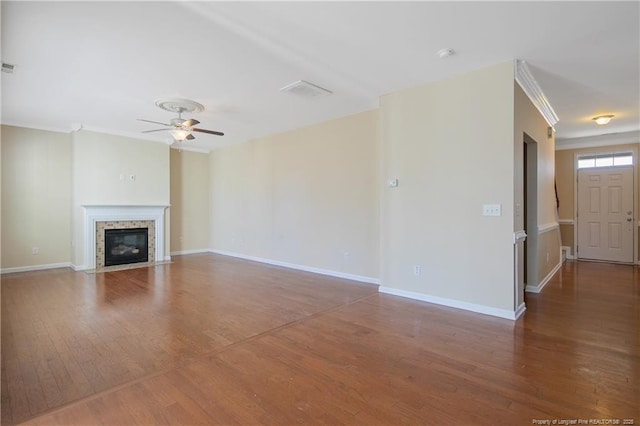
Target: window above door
[605, 160]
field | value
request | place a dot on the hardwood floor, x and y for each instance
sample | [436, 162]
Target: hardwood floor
[210, 339]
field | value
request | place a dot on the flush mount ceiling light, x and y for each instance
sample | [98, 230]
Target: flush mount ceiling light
[601, 120]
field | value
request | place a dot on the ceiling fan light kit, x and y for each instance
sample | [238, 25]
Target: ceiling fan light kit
[179, 135]
[180, 128]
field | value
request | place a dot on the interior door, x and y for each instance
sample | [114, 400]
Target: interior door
[605, 214]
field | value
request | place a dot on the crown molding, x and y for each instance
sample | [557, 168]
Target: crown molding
[76, 127]
[43, 128]
[131, 135]
[146, 138]
[610, 139]
[533, 90]
[189, 148]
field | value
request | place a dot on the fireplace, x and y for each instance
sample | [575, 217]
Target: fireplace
[126, 239]
[98, 218]
[124, 246]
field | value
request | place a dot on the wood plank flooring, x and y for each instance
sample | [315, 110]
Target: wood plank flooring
[210, 339]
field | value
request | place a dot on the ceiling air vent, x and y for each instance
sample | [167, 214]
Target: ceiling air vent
[8, 68]
[305, 89]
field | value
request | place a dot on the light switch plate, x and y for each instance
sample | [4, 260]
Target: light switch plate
[492, 210]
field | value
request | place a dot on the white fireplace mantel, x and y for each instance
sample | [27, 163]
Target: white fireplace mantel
[102, 213]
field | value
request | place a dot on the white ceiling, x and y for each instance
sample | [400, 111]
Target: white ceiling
[104, 64]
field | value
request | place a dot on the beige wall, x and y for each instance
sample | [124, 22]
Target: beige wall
[98, 160]
[450, 145]
[548, 252]
[307, 197]
[36, 197]
[190, 201]
[317, 197]
[564, 179]
[565, 167]
[566, 236]
[545, 235]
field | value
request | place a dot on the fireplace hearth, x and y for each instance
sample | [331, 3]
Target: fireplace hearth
[125, 246]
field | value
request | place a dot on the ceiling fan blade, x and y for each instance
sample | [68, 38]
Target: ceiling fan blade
[190, 137]
[154, 122]
[190, 122]
[211, 132]
[155, 130]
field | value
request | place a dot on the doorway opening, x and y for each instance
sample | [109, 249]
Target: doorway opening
[530, 209]
[605, 207]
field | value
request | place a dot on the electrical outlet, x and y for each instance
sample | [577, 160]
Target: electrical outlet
[417, 270]
[345, 256]
[35, 250]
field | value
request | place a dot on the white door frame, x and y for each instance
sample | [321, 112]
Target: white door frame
[636, 212]
[531, 212]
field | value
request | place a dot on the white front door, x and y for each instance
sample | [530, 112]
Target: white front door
[605, 214]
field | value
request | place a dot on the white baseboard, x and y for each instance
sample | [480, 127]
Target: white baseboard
[353, 277]
[518, 313]
[481, 309]
[567, 252]
[35, 267]
[538, 288]
[183, 252]
[80, 268]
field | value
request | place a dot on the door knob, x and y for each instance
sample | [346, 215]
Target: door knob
[629, 219]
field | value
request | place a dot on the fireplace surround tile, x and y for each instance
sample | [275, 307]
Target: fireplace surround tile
[112, 214]
[124, 224]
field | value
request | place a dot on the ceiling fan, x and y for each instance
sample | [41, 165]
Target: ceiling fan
[180, 128]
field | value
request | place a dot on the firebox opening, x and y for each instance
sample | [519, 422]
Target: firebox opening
[124, 246]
